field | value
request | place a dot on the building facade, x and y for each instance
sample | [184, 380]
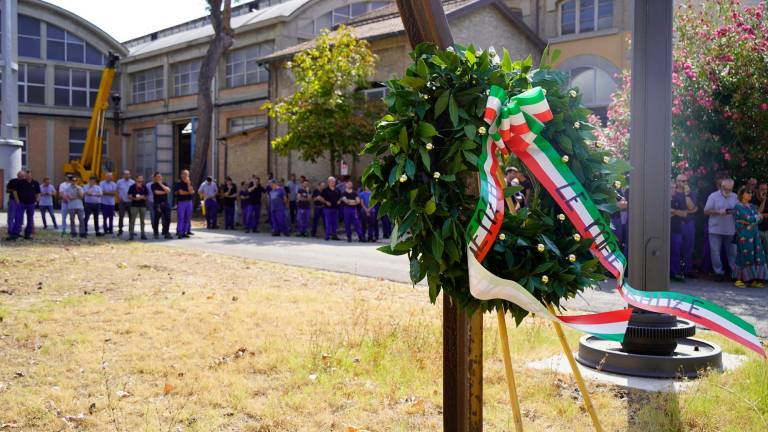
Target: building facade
[61, 57]
[60, 60]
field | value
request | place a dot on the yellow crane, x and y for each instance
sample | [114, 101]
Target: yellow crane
[90, 162]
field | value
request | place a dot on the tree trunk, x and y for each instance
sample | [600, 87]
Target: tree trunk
[221, 42]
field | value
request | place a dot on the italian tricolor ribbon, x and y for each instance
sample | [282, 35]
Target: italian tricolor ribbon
[527, 113]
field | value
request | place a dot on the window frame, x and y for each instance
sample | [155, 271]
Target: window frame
[22, 36]
[232, 79]
[158, 91]
[192, 73]
[246, 123]
[577, 17]
[90, 91]
[24, 84]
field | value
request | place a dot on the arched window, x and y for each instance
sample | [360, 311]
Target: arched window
[582, 16]
[596, 87]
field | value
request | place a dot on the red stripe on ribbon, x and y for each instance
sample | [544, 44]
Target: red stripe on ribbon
[620, 315]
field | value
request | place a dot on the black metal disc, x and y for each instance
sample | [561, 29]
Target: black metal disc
[690, 358]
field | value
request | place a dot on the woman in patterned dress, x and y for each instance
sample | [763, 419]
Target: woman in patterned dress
[750, 258]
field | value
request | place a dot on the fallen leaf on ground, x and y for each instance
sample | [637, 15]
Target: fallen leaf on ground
[122, 394]
[167, 388]
[416, 407]
[313, 377]
[354, 429]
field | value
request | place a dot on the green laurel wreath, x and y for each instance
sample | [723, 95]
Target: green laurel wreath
[425, 153]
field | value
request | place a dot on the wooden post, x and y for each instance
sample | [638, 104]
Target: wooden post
[425, 21]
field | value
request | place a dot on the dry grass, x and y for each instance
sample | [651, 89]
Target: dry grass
[112, 336]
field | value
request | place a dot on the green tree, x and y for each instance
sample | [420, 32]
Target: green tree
[327, 115]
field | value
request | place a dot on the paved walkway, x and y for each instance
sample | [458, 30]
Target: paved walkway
[364, 260]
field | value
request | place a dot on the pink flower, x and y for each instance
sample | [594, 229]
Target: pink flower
[727, 156]
[764, 106]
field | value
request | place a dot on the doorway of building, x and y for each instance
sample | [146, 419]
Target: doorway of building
[183, 137]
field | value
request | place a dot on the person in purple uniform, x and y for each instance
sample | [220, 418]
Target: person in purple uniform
[318, 206]
[330, 198]
[184, 193]
[682, 229]
[370, 214]
[278, 202]
[255, 195]
[350, 201]
[303, 208]
[208, 192]
[228, 197]
[245, 205]
[108, 192]
[13, 201]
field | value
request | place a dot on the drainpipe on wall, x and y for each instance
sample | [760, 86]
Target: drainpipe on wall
[214, 130]
[272, 81]
[537, 16]
[10, 146]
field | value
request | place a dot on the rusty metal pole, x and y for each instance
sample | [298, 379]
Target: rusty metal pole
[425, 21]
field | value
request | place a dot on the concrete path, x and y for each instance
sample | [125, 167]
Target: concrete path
[364, 260]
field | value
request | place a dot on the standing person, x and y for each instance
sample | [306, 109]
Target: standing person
[151, 201]
[245, 206]
[370, 214]
[92, 199]
[208, 192]
[36, 186]
[184, 193]
[108, 193]
[160, 192]
[229, 196]
[13, 201]
[719, 208]
[293, 188]
[330, 198]
[27, 196]
[47, 192]
[750, 258]
[74, 195]
[683, 229]
[318, 206]
[255, 195]
[303, 208]
[351, 208]
[123, 201]
[762, 226]
[278, 201]
[64, 202]
[137, 193]
[386, 227]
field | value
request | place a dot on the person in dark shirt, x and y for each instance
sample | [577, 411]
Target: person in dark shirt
[256, 193]
[330, 198]
[682, 229]
[228, 198]
[317, 211]
[303, 208]
[12, 188]
[183, 191]
[137, 193]
[28, 192]
[350, 202]
[160, 192]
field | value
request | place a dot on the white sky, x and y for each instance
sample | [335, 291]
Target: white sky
[127, 19]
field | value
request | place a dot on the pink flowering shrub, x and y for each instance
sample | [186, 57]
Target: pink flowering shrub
[720, 92]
